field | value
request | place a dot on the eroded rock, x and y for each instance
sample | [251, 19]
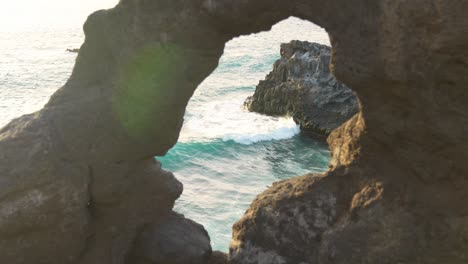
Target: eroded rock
[290, 213]
[78, 180]
[302, 86]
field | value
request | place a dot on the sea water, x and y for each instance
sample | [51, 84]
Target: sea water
[225, 155]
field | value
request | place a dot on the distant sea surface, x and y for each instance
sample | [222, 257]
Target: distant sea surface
[225, 155]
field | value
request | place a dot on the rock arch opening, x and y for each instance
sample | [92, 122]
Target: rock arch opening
[226, 154]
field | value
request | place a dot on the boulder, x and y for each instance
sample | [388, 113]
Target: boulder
[175, 240]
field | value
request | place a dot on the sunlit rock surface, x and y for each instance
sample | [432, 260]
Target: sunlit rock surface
[302, 86]
[78, 181]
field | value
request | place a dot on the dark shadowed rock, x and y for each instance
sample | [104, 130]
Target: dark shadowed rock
[301, 85]
[175, 240]
[218, 258]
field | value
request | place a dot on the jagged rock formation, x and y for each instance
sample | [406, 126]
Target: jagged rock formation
[78, 182]
[302, 86]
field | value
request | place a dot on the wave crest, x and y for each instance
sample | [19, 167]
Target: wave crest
[285, 132]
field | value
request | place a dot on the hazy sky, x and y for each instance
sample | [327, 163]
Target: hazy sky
[25, 13]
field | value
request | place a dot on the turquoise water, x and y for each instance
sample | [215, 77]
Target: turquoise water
[221, 178]
[227, 155]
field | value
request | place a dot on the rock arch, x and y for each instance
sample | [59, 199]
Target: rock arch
[78, 179]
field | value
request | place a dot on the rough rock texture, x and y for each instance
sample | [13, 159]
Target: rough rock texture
[78, 181]
[175, 240]
[302, 86]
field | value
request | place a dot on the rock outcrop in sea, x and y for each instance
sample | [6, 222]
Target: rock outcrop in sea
[79, 184]
[301, 85]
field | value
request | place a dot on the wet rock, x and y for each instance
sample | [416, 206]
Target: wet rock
[302, 86]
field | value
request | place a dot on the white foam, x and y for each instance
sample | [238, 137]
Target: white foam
[285, 132]
[225, 118]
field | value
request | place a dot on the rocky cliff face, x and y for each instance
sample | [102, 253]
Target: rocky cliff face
[78, 183]
[302, 86]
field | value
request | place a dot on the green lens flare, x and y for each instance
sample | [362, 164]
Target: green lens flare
[144, 90]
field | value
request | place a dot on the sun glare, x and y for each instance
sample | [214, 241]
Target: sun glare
[19, 14]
